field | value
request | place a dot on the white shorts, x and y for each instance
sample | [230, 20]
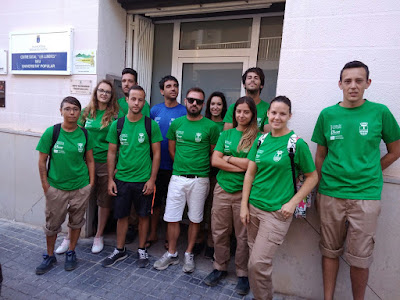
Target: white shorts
[194, 191]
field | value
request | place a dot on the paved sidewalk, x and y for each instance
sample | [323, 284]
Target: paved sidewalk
[21, 247]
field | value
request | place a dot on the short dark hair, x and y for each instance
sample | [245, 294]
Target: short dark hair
[71, 100]
[283, 99]
[137, 88]
[130, 71]
[355, 64]
[256, 70]
[196, 89]
[224, 105]
[165, 79]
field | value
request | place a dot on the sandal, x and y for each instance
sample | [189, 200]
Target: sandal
[149, 243]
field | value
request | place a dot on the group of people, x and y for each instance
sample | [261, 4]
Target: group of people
[121, 152]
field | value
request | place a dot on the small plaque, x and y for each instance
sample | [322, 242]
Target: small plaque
[82, 87]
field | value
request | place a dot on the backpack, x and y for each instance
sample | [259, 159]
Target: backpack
[300, 210]
[56, 133]
[147, 125]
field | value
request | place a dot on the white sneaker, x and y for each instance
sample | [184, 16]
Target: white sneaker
[63, 247]
[189, 264]
[98, 245]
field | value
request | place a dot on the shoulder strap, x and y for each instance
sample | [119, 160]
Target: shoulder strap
[261, 140]
[291, 147]
[56, 133]
[147, 124]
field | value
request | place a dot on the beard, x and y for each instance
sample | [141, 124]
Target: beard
[253, 92]
[193, 114]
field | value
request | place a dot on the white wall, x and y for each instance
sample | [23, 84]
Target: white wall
[319, 37]
[32, 101]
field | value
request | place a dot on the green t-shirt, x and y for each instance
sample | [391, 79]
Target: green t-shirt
[231, 182]
[193, 141]
[98, 134]
[220, 126]
[134, 162]
[262, 118]
[68, 169]
[273, 182]
[123, 105]
[352, 169]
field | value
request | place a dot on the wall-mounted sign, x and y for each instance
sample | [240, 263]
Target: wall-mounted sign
[84, 62]
[3, 61]
[83, 87]
[44, 52]
[2, 94]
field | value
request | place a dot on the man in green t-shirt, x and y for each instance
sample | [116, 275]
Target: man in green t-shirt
[129, 79]
[136, 173]
[349, 166]
[66, 180]
[191, 140]
[253, 82]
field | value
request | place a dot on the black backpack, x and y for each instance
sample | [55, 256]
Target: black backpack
[56, 133]
[147, 125]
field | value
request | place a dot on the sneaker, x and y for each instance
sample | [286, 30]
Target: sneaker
[209, 252]
[98, 245]
[143, 258]
[189, 265]
[242, 287]
[46, 265]
[214, 277]
[114, 257]
[63, 247]
[70, 261]
[131, 235]
[165, 261]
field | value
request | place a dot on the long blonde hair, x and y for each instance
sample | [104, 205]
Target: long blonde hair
[250, 132]
[111, 110]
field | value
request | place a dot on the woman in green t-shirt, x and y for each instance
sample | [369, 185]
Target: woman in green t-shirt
[269, 200]
[230, 157]
[216, 108]
[97, 117]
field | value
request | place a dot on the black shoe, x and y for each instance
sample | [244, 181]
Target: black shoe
[242, 287]
[198, 247]
[209, 252]
[130, 235]
[70, 261]
[46, 265]
[214, 277]
[143, 261]
[114, 257]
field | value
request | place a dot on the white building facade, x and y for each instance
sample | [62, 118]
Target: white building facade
[300, 45]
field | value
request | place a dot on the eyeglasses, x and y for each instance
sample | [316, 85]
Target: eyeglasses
[198, 101]
[101, 91]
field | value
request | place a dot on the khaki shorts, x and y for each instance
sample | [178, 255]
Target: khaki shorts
[100, 190]
[353, 221]
[59, 203]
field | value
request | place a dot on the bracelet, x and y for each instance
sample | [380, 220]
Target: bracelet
[229, 157]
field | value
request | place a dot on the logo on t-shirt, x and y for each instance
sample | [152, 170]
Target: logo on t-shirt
[336, 133]
[170, 121]
[141, 138]
[259, 152]
[227, 146]
[179, 135]
[198, 137]
[59, 147]
[259, 122]
[363, 129]
[278, 155]
[88, 123]
[157, 119]
[123, 139]
[80, 147]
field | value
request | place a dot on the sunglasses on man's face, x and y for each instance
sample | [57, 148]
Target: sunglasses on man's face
[198, 101]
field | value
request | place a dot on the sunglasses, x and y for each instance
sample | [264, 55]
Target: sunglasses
[198, 101]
